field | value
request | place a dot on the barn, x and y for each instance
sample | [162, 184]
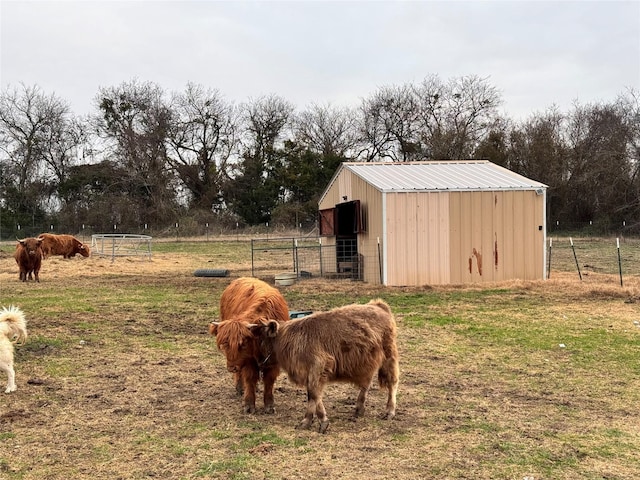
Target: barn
[433, 223]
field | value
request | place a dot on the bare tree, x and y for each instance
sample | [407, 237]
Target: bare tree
[455, 116]
[326, 130]
[600, 169]
[135, 120]
[389, 126]
[377, 142]
[202, 139]
[39, 139]
[432, 120]
[628, 104]
[538, 148]
[265, 119]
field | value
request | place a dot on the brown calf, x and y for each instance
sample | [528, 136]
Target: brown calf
[28, 256]
[346, 344]
[244, 302]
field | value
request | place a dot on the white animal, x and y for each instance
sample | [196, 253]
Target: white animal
[13, 329]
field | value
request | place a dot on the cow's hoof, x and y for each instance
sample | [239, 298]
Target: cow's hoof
[322, 428]
[387, 415]
[303, 425]
[270, 409]
[249, 409]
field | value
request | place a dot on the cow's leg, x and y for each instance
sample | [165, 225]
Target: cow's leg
[391, 402]
[315, 406]
[362, 397]
[250, 376]
[315, 387]
[237, 378]
[321, 413]
[388, 378]
[269, 377]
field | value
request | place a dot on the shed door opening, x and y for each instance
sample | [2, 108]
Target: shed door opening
[348, 223]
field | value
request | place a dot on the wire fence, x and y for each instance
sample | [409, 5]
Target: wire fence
[306, 257]
[585, 256]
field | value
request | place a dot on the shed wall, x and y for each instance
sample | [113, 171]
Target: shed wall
[497, 236]
[371, 207]
[417, 238]
[354, 188]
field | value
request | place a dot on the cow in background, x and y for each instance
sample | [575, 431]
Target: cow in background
[28, 256]
[346, 344]
[247, 301]
[65, 245]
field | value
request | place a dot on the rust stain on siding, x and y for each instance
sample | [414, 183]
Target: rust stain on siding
[478, 256]
[495, 252]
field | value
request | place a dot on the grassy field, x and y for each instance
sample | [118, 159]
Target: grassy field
[520, 380]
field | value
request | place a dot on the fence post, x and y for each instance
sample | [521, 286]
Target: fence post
[252, 258]
[320, 255]
[380, 261]
[549, 261]
[575, 258]
[619, 261]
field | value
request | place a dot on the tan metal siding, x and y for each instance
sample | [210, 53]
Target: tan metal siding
[354, 188]
[418, 238]
[496, 236]
[371, 207]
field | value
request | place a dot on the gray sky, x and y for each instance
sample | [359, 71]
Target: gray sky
[536, 53]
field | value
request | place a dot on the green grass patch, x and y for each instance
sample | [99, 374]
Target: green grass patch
[234, 468]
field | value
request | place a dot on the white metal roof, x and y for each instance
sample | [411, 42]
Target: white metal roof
[449, 175]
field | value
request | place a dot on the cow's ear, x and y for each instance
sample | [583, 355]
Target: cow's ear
[271, 329]
[213, 328]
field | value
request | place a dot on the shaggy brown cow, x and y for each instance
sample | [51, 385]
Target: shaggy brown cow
[28, 256]
[346, 344]
[244, 302]
[65, 245]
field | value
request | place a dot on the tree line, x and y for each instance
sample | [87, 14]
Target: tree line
[145, 156]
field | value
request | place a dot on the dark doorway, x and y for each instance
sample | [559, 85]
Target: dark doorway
[344, 221]
[348, 225]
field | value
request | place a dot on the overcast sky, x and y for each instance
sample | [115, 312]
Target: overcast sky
[536, 53]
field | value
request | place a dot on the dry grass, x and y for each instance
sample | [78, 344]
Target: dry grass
[119, 380]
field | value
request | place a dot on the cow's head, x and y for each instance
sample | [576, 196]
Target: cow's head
[236, 340]
[31, 245]
[267, 329]
[84, 250]
[81, 248]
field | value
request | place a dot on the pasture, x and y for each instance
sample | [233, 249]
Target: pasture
[119, 379]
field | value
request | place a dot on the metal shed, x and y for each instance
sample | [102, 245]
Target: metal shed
[436, 222]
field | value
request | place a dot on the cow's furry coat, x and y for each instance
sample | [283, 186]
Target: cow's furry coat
[346, 344]
[61, 244]
[29, 256]
[244, 302]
